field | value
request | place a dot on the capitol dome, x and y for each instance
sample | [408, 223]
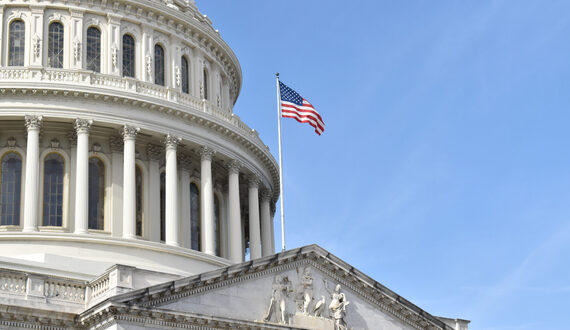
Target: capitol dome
[119, 142]
[131, 195]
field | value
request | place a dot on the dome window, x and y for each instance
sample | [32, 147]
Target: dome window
[55, 45]
[54, 166]
[93, 61]
[96, 194]
[17, 43]
[184, 75]
[10, 189]
[159, 65]
[128, 56]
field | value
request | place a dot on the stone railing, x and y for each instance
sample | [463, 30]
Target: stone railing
[13, 283]
[77, 78]
[65, 290]
[100, 287]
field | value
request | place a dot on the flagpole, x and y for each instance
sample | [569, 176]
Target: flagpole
[280, 163]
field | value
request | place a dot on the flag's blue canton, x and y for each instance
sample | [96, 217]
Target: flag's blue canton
[289, 95]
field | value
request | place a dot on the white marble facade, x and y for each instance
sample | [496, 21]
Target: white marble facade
[131, 195]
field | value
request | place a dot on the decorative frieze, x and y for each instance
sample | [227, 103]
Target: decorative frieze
[266, 195]
[254, 181]
[116, 143]
[184, 162]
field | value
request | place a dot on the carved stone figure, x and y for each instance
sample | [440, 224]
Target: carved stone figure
[319, 307]
[277, 305]
[337, 306]
[305, 290]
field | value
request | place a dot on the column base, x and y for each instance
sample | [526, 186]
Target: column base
[81, 231]
[29, 229]
[130, 236]
[172, 243]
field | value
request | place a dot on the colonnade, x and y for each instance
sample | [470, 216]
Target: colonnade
[260, 228]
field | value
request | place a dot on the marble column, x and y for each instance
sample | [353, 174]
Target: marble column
[116, 146]
[266, 233]
[184, 168]
[235, 232]
[171, 198]
[208, 234]
[82, 127]
[31, 188]
[155, 153]
[129, 182]
[254, 228]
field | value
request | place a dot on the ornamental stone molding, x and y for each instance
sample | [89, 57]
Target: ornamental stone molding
[171, 141]
[266, 195]
[83, 125]
[206, 153]
[130, 132]
[154, 152]
[116, 143]
[33, 122]
[234, 166]
[254, 181]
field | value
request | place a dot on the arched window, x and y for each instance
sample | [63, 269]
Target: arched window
[93, 49]
[139, 190]
[10, 189]
[158, 65]
[217, 226]
[54, 170]
[17, 43]
[96, 212]
[128, 56]
[195, 216]
[55, 45]
[205, 82]
[184, 75]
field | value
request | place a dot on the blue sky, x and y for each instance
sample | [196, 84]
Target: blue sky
[444, 169]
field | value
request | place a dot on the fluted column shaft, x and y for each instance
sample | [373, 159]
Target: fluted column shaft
[235, 233]
[207, 202]
[31, 189]
[254, 228]
[129, 182]
[266, 233]
[171, 198]
[82, 127]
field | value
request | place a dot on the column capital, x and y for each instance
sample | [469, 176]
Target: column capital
[206, 153]
[72, 137]
[83, 125]
[116, 143]
[184, 162]
[254, 181]
[129, 132]
[171, 141]
[266, 195]
[154, 151]
[33, 122]
[234, 166]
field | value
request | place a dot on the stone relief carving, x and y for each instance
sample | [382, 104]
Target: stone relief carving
[148, 62]
[37, 45]
[277, 310]
[77, 50]
[308, 312]
[337, 306]
[114, 51]
[11, 143]
[178, 75]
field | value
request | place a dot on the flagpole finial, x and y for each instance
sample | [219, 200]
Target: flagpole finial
[277, 74]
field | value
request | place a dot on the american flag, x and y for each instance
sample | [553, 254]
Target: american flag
[294, 106]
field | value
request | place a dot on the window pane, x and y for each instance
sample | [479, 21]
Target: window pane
[17, 44]
[55, 45]
[184, 74]
[128, 56]
[53, 190]
[158, 65]
[96, 213]
[195, 216]
[139, 215]
[93, 49]
[10, 189]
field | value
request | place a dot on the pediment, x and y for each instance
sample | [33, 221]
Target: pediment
[306, 288]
